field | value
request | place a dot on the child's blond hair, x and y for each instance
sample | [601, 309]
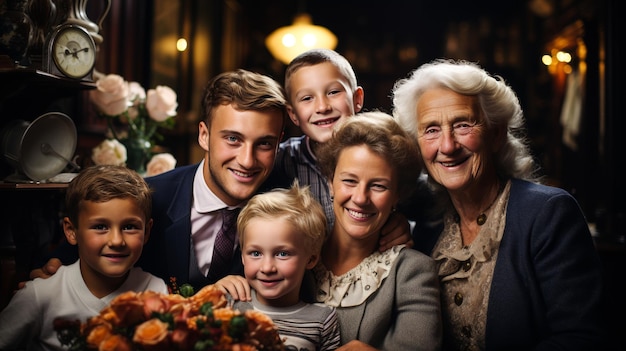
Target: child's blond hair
[295, 205]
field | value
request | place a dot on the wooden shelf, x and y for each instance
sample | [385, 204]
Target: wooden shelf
[32, 186]
[16, 79]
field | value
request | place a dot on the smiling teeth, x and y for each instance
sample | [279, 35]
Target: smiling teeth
[241, 174]
[449, 164]
[324, 123]
[327, 121]
[359, 215]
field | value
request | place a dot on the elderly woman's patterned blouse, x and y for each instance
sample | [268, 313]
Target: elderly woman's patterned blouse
[465, 273]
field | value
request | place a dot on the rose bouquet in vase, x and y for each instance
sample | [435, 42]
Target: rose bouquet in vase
[134, 118]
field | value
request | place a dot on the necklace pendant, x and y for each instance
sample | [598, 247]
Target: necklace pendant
[481, 219]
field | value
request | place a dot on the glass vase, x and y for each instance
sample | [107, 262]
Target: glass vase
[137, 154]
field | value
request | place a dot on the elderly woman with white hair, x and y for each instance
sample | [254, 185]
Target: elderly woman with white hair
[515, 258]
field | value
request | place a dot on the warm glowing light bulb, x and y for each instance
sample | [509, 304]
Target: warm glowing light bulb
[563, 56]
[285, 43]
[181, 44]
[546, 59]
[309, 40]
[289, 40]
[568, 57]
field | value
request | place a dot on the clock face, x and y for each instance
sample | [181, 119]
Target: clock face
[73, 51]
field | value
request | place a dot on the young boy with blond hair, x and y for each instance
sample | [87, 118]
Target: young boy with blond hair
[281, 236]
[109, 220]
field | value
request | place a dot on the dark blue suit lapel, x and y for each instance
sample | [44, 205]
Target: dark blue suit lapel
[177, 235]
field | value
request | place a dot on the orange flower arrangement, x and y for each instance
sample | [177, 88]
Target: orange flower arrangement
[152, 321]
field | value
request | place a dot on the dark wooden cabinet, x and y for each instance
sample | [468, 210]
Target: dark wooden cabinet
[26, 94]
[30, 215]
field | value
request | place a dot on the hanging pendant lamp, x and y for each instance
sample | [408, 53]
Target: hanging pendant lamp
[286, 43]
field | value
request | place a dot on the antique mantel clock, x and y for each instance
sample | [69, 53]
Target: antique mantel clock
[70, 51]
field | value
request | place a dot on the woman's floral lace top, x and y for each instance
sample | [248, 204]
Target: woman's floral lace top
[356, 285]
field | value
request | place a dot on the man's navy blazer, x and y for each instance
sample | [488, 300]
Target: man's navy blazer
[168, 251]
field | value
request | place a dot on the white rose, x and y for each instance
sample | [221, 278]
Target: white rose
[110, 95]
[160, 163]
[109, 152]
[161, 103]
[136, 92]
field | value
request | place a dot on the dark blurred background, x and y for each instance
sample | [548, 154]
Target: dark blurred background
[384, 41]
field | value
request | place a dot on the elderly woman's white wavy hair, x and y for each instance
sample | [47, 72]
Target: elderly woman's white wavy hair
[498, 102]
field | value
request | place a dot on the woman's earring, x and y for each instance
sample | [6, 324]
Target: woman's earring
[332, 198]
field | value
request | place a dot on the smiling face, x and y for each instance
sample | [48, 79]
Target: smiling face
[319, 96]
[452, 139]
[275, 257]
[364, 187]
[110, 236]
[240, 151]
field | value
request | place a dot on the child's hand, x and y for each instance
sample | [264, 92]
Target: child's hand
[236, 286]
[396, 231]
